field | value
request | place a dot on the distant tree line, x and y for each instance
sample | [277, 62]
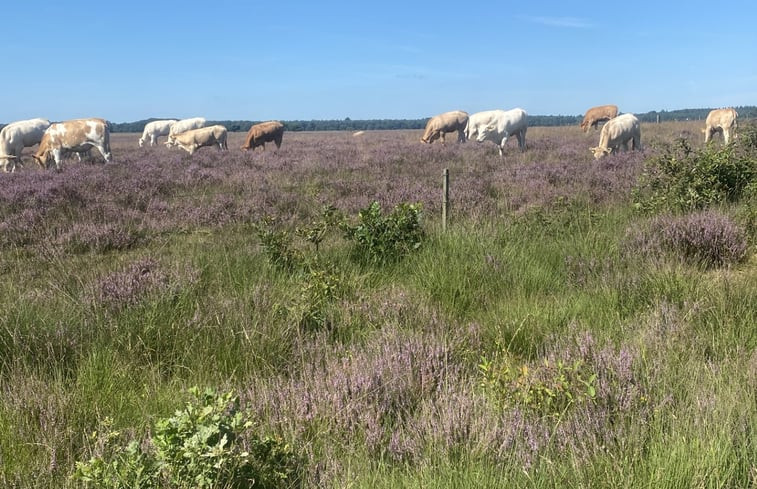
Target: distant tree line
[347, 124]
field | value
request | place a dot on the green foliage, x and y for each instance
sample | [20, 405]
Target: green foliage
[277, 245]
[199, 447]
[119, 466]
[316, 230]
[546, 388]
[383, 238]
[321, 285]
[684, 179]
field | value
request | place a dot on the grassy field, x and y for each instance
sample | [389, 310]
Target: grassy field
[546, 339]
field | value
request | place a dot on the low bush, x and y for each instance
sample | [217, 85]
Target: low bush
[681, 178]
[380, 238]
[205, 445]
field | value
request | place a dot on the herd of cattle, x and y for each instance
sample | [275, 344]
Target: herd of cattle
[498, 125]
[79, 136]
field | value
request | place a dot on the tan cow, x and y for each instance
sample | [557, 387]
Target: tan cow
[595, 115]
[616, 134]
[262, 133]
[194, 139]
[721, 120]
[73, 136]
[439, 125]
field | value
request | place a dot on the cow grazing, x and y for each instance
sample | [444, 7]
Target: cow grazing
[595, 115]
[73, 136]
[439, 125]
[155, 129]
[721, 120]
[262, 133]
[184, 125]
[497, 126]
[616, 133]
[194, 139]
[18, 135]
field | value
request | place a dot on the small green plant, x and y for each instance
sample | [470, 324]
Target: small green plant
[117, 466]
[205, 445]
[321, 285]
[277, 245]
[380, 238]
[547, 388]
[316, 231]
[685, 179]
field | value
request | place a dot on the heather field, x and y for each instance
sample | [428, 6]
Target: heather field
[566, 330]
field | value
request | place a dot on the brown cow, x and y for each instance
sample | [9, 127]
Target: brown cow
[194, 139]
[73, 136]
[438, 125]
[595, 115]
[262, 133]
[721, 120]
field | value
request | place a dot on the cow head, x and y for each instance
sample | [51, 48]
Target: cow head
[428, 139]
[141, 142]
[600, 152]
[585, 126]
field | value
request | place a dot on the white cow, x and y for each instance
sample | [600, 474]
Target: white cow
[73, 136]
[184, 125]
[721, 120]
[16, 136]
[497, 126]
[194, 139]
[155, 129]
[616, 133]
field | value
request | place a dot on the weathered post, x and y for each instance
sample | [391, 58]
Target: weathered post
[445, 199]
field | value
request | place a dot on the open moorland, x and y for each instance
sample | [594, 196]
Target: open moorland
[561, 332]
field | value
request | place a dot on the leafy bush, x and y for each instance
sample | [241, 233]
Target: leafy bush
[685, 179]
[706, 238]
[547, 388]
[277, 245]
[321, 285]
[204, 445]
[382, 239]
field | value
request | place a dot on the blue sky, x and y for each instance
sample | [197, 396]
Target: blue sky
[127, 61]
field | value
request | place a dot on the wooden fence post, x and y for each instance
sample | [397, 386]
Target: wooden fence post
[445, 199]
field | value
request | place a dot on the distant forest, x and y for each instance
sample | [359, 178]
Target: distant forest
[348, 124]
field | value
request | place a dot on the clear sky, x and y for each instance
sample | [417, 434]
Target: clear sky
[133, 59]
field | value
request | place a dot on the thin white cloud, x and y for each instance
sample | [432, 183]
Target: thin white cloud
[571, 22]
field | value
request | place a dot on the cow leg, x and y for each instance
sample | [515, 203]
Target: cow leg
[502, 145]
[57, 157]
[727, 135]
[521, 140]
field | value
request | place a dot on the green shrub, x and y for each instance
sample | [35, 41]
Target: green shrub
[204, 445]
[546, 388]
[277, 245]
[321, 285]
[380, 238]
[117, 466]
[685, 179]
